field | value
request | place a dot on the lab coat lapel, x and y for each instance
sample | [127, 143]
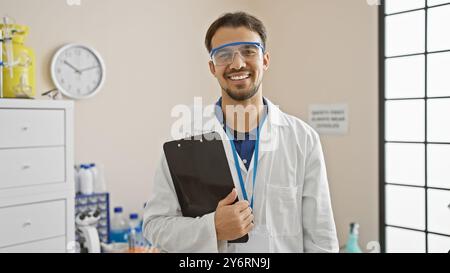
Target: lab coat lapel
[269, 135]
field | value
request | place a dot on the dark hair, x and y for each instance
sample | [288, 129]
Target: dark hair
[236, 19]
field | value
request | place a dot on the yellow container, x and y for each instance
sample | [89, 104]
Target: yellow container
[20, 83]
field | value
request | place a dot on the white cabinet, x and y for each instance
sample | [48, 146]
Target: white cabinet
[53, 245]
[31, 127]
[32, 222]
[36, 176]
[26, 167]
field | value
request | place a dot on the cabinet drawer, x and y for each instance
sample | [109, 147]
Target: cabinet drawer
[53, 245]
[32, 222]
[31, 166]
[29, 128]
[439, 211]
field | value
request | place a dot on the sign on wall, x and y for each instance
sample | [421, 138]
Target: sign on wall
[331, 119]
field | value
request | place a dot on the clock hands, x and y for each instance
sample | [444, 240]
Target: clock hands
[73, 67]
[79, 71]
[89, 68]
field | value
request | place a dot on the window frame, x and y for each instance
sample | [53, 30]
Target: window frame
[382, 123]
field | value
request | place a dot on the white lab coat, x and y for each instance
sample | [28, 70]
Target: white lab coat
[292, 206]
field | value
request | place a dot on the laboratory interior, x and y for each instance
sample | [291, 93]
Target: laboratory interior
[93, 93]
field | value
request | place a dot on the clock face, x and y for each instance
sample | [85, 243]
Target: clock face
[77, 71]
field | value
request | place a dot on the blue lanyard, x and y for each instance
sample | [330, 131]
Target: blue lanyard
[255, 162]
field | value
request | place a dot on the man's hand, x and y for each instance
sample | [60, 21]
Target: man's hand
[233, 220]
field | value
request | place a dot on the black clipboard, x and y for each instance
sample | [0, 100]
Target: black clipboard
[200, 174]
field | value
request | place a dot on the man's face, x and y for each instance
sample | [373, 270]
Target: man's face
[242, 78]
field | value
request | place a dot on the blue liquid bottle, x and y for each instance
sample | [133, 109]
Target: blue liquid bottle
[352, 245]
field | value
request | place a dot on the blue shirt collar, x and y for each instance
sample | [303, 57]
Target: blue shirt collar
[219, 115]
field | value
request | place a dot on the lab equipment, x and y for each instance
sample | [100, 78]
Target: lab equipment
[135, 242]
[133, 233]
[136, 239]
[352, 245]
[53, 94]
[1, 63]
[86, 223]
[94, 172]
[99, 177]
[100, 202]
[95, 182]
[86, 180]
[8, 44]
[19, 62]
[119, 227]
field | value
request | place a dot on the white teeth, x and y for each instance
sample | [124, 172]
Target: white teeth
[237, 78]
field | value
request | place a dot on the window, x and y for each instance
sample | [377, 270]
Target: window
[415, 125]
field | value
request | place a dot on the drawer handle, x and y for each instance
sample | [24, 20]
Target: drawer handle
[26, 224]
[25, 128]
[26, 167]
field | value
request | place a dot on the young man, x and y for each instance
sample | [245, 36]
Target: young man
[276, 162]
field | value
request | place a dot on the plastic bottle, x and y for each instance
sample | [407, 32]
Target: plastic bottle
[133, 231]
[99, 179]
[94, 172]
[136, 240]
[119, 227]
[86, 180]
[352, 245]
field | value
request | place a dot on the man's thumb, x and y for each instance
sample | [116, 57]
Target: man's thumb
[229, 199]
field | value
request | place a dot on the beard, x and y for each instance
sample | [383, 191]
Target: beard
[241, 95]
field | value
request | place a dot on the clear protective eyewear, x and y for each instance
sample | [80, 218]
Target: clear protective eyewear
[224, 54]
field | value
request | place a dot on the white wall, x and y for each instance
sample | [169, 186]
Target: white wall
[323, 51]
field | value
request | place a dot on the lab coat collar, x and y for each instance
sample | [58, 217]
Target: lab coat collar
[275, 116]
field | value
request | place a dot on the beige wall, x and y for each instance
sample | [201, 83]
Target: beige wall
[323, 51]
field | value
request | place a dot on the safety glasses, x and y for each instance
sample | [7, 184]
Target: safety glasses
[224, 54]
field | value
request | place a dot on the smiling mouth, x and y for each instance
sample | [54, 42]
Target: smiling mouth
[239, 76]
